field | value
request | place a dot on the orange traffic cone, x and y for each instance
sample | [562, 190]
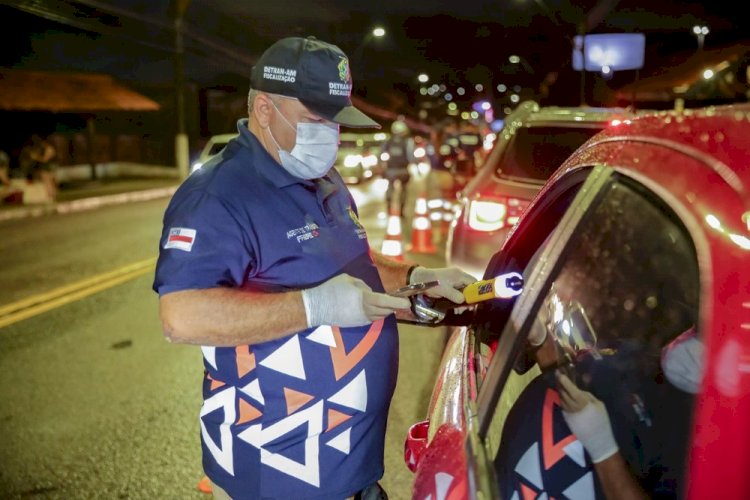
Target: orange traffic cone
[392, 246]
[421, 228]
[204, 485]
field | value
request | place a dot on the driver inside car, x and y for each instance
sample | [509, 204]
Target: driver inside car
[626, 408]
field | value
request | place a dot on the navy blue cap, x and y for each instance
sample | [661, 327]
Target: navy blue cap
[316, 73]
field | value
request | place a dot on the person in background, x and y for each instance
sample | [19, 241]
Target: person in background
[264, 264]
[399, 151]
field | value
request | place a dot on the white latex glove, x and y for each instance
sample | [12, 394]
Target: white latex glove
[347, 301]
[587, 418]
[452, 281]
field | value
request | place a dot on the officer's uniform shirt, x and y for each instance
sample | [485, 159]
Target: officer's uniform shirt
[303, 415]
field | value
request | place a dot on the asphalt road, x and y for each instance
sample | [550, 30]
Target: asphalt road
[95, 403]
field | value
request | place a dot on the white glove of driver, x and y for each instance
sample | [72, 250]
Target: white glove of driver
[587, 418]
[347, 301]
[452, 281]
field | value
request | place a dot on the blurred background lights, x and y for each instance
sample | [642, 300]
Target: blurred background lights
[501, 87]
[378, 31]
[423, 78]
[452, 106]
[460, 91]
[448, 96]
[514, 59]
[479, 87]
[514, 98]
[708, 74]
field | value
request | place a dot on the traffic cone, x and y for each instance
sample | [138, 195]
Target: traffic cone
[204, 485]
[421, 228]
[392, 246]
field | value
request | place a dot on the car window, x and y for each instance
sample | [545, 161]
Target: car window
[536, 152]
[622, 293]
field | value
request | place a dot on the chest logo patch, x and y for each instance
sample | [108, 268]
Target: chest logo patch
[181, 238]
[304, 233]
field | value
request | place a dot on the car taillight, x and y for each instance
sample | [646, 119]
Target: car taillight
[486, 215]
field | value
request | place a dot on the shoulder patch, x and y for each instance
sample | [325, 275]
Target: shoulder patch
[181, 238]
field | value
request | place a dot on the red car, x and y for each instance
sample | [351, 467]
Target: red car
[640, 238]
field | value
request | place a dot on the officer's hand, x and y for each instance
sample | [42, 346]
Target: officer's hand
[587, 418]
[347, 301]
[451, 279]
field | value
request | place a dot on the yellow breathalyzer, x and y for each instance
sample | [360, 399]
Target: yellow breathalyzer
[504, 286]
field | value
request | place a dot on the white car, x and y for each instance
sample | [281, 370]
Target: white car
[214, 145]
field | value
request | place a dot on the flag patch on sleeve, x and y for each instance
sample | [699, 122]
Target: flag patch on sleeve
[181, 238]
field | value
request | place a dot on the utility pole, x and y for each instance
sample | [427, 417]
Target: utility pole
[181, 146]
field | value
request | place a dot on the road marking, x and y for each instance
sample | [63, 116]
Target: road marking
[43, 302]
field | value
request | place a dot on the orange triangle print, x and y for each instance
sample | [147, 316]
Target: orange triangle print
[215, 384]
[247, 412]
[551, 451]
[335, 418]
[527, 493]
[245, 360]
[295, 399]
[343, 362]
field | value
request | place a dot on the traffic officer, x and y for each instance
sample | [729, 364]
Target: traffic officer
[264, 264]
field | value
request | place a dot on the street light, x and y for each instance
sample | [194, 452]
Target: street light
[700, 32]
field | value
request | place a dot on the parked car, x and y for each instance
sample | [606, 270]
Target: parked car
[534, 141]
[358, 156]
[641, 237]
[214, 145]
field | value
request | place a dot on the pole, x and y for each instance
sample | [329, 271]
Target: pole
[181, 145]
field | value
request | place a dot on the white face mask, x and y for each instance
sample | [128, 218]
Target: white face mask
[314, 151]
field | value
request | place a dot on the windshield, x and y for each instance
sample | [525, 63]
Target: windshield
[536, 152]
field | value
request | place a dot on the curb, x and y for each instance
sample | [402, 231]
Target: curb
[82, 204]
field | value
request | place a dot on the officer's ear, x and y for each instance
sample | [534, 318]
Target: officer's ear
[263, 109]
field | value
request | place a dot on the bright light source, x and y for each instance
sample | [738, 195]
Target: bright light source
[502, 88]
[514, 59]
[379, 136]
[478, 87]
[700, 30]
[486, 105]
[423, 78]
[619, 51]
[419, 152]
[385, 156]
[452, 106]
[708, 74]
[606, 70]
[460, 91]
[378, 32]
[514, 98]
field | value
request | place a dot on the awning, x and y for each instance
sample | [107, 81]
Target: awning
[62, 92]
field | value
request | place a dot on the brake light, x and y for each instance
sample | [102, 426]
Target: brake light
[486, 215]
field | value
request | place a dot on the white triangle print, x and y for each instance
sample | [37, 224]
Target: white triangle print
[583, 489]
[209, 354]
[542, 496]
[341, 442]
[442, 484]
[530, 468]
[287, 359]
[309, 470]
[575, 451]
[323, 335]
[222, 453]
[354, 394]
[253, 390]
[515, 496]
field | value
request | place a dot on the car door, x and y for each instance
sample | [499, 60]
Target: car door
[611, 275]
